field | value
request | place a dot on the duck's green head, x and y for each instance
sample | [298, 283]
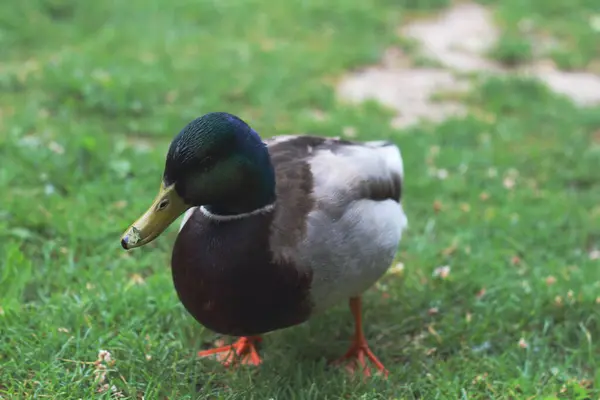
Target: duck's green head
[216, 161]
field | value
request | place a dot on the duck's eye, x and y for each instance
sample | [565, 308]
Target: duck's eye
[163, 203]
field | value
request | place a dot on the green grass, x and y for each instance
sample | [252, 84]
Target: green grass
[565, 31]
[90, 96]
[512, 50]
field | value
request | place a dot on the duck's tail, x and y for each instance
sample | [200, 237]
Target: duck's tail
[391, 154]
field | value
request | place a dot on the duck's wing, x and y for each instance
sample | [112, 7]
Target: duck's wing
[339, 214]
[326, 177]
[340, 171]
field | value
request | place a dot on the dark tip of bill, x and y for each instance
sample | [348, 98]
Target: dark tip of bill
[124, 243]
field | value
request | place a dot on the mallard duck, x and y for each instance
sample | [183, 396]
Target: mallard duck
[274, 231]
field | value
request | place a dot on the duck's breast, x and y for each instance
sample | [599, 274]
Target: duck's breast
[225, 276]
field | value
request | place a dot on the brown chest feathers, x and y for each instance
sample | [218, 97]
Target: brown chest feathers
[225, 276]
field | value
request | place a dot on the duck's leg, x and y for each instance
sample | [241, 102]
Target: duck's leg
[359, 350]
[243, 351]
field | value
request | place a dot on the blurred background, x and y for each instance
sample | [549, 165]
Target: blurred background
[494, 103]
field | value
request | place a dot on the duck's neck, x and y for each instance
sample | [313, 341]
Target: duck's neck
[246, 205]
[255, 190]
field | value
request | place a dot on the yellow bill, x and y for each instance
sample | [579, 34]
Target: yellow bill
[164, 210]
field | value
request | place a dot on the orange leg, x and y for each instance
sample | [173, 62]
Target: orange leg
[243, 351]
[359, 350]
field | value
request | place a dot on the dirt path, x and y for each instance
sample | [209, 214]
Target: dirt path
[457, 39]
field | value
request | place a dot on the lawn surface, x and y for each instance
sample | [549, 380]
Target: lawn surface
[508, 197]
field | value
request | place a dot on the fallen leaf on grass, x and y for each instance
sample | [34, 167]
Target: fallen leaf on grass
[509, 183]
[523, 344]
[136, 279]
[397, 269]
[442, 272]
[558, 301]
[441, 174]
[563, 388]
[480, 378]
[450, 249]
[56, 148]
[119, 205]
[382, 287]
[586, 383]
[113, 389]
[101, 364]
[550, 280]
[104, 356]
[434, 333]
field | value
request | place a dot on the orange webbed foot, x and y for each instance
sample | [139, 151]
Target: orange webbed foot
[359, 352]
[243, 351]
[359, 355]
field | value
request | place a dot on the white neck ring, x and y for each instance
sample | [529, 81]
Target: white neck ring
[217, 217]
